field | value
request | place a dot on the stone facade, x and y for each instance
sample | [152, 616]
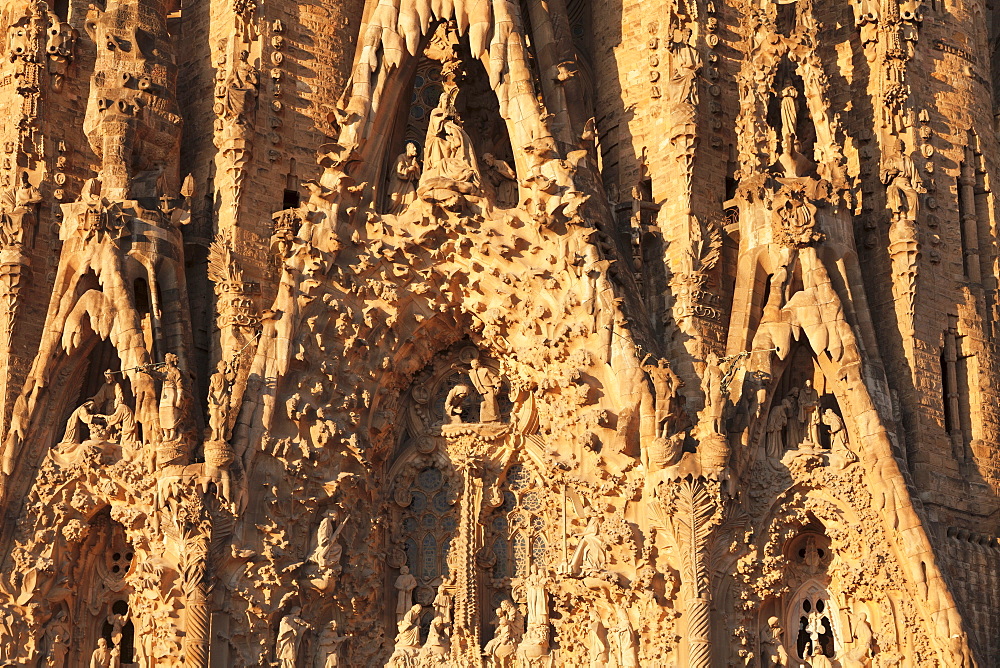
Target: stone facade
[499, 333]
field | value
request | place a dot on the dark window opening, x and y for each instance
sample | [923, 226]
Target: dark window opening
[291, 199]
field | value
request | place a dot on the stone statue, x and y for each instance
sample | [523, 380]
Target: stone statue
[449, 156]
[599, 651]
[453, 404]
[666, 383]
[772, 648]
[443, 601]
[21, 213]
[408, 627]
[777, 419]
[863, 647]
[902, 184]
[789, 116]
[818, 659]
[240, 92]
[537, 598]
[487, 384]
[219, 393]
[290, 632]
[590, 556]
[328, 647]
[117, 623]
[838, 432]
[685, 63]
[328, 550]
[503, 644]
[81, 419]
[57, 652]
[794, 431]
[809, 417]
[438, 643]
[405, 584]
[711, 385]
[504, 181]
[403, 180]
[625, 641]
[101, 657]
[174, 397]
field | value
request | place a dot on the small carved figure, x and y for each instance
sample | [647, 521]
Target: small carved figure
[589, 558]
[789, 116]
[487, 384]
[818, 659]
[57, 652]
[777, 419]
[328, 647]
[902, 184]
[772, 647]
[408, 627]
[174, 397]
[685, 62]
[404, 178]
[453, 404]
[405, 584]
[666, 383]
[504, 180]
[809, 417]
[838, 433]
[438, 643]
[711, 385]
[625, 641]
[85, 415]
[443, 601]
[503, 645]
[599, 651]
[290, 632]
[861, 653]
[537, 597]
[219, 393]
[241, 90]
[328, 549]
[117, 623]
[101, 657]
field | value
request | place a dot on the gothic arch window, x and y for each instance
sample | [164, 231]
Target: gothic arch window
[811, 617]
[428, 523]
[519, 540]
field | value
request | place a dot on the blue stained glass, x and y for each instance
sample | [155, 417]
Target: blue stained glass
[429, 556]
[410, 547]
[500, 550]
[508, 502]
[449, 524]
[500, 525]
[539, 551]
[419, 502]
[409, 525]
[531, 501]
[440, 502]
[429, 479]
[428, 521]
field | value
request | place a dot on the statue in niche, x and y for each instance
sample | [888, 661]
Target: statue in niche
[504, 181]
[598, 646]
[685, 62]
[864, 644]
[772, 647]
[328, 647]
[438, 643]
[590, 556]
[666, 383]
[82, 418]
[789, 115]
[711, 385]
[174, 397]
[327, 553]
[219, 393]
[57, 651]
[20, 213]
[793, 435]
[240, 91]
[408, 636]
[818, 659]
[809, 416]
[501, 648]
[812, 557]
[403, 180]
[117, 623]
[443, 600]
[487, 384]
[902, 184]
[625, 641]
[449, 158]
[101, 657]
[777, 420]
[404, 585]
[121, 420]
[454, 403]
[838, 436]
[290, 632]
[537, 597]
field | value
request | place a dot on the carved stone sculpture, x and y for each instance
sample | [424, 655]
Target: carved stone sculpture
[403, 180]
[290, 633]
[101, 657]
[328, 646]
[487, 384]
[404, 585]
